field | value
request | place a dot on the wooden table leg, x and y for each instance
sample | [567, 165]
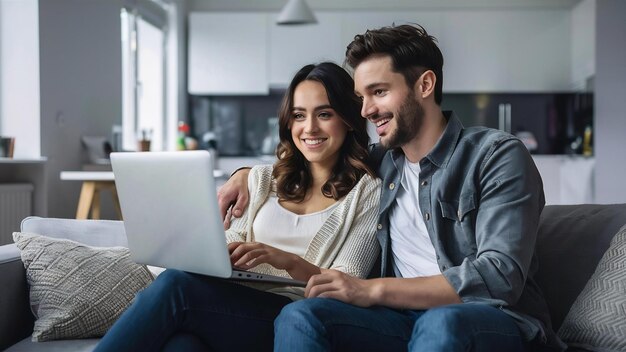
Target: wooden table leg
[86, 198]
[95, 204]
[116, 202]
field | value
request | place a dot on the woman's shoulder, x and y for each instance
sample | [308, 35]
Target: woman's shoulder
[367, 185]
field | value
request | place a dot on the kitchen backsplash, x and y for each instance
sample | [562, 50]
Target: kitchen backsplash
[548, 123]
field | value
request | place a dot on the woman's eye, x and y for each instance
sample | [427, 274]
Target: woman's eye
[298, 116]
[325, 115]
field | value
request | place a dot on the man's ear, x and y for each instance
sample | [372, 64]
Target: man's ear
[425, 85]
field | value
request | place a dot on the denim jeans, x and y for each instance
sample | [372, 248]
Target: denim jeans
[180, 311]
[320, 324]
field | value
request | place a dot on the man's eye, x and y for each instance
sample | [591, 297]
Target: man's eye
[379, 92]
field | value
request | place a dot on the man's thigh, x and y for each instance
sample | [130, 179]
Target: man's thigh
[348, 327]
[465, 327]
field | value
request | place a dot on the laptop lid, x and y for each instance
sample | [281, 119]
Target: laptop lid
[170, 210]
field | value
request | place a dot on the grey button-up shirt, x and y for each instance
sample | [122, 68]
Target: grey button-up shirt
[481, 197]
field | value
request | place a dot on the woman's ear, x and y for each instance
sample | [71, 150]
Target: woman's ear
[425, 85]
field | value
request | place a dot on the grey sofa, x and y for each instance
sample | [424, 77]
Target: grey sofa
[572, 239]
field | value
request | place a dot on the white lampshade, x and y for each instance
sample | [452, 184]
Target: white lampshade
[296, 12]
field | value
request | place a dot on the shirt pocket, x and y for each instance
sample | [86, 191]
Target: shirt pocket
[457, 209]
[460, 224]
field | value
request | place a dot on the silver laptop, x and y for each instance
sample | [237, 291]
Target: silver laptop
[171, 214]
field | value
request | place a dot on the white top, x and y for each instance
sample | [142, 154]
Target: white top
[346, 241]
[286, 230]
[413, 252]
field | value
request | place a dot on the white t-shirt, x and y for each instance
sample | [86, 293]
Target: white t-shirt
[413, 252]
[285, 230]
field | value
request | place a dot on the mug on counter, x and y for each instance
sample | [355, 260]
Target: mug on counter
[7, 144]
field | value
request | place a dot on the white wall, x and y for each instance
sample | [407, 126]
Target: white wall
[583, 34]
[81, 94]
[19, 73]
[609, 101]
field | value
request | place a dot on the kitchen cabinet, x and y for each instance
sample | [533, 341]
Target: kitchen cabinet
[506, 51]
[566, 179]
[228, 53]
[292, 47]
[484, 50]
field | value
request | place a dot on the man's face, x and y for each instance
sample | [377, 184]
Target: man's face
[388, 102]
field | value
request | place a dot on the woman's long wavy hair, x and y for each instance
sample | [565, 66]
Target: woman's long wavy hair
[292, 172]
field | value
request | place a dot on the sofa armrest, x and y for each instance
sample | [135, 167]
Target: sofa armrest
[97, 233]
[16, 319]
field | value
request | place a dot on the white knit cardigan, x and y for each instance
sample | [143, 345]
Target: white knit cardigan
[346, 241]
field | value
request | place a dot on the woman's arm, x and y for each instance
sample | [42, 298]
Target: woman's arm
[247, 255]
[360, 249]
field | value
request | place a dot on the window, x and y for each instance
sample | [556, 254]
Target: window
[143, 70]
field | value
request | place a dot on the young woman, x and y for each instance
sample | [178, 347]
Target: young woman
[315, 208]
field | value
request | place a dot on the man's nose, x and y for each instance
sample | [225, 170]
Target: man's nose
[368, 109]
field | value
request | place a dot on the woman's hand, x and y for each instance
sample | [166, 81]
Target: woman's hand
[247, 255]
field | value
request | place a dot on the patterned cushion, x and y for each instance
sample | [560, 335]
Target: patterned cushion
[597, 320]
[77, 291]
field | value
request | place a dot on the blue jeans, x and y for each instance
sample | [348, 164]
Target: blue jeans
[180, 311]
[320, 324]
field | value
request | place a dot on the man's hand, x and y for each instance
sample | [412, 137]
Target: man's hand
[343, 287]
[232, 197]
[247, 255]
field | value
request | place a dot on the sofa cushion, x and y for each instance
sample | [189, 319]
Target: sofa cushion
[77, 291]
[597, 320]
[571, 240]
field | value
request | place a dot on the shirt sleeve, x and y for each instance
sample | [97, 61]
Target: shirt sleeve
[509, 206]
[360, 249]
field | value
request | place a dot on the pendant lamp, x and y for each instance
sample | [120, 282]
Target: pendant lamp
[296, 12]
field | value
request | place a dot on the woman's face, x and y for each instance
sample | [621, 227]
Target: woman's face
[316, 129]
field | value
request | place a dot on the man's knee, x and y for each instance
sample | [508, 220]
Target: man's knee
[304, 312]
[445, 318]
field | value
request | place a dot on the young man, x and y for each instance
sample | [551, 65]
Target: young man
[457, 224]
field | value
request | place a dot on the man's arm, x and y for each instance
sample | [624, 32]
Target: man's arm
[233, 196]
[414, 293]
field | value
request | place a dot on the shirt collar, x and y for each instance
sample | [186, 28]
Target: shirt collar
[442, 151]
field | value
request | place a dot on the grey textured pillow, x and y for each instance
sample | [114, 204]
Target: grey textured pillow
[77, 291]
[597, 319]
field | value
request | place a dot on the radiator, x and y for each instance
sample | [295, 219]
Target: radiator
[15, 205]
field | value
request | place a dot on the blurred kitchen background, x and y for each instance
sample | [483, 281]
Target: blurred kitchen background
[81, 78]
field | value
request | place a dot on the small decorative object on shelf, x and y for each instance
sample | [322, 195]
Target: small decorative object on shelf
[7, 144]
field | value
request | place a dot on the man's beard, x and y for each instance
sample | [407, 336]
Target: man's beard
[409, 119]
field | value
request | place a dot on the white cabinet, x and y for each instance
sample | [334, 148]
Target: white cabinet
[292, 47]
[567, 179]
[484, 50]
[227, 53]
[510, 51]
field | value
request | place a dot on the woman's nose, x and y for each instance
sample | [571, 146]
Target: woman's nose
[311, 126]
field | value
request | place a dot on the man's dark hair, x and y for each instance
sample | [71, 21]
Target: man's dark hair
[412, 50]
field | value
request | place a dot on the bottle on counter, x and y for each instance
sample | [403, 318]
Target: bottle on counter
[183, 129]
[587, 148]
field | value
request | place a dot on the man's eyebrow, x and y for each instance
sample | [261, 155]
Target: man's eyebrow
[374, 85]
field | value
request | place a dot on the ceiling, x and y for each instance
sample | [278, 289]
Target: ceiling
[388, 5]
